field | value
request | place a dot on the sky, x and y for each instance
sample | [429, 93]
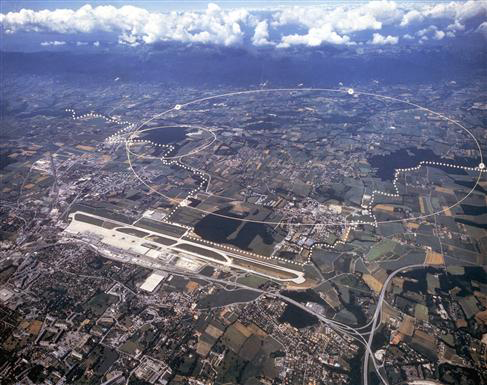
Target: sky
[181, 5]
[258, 24]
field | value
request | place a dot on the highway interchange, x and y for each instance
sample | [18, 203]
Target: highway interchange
[363, 334]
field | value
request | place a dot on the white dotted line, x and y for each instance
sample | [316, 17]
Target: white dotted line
[92, 115]
[339, 242]
[479, 168]
[193, 192]
[246, 253]
[118, 138]
[353, 226]
[115, 138]
[350, 91]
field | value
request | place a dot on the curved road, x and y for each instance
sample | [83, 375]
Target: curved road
[338, 327]
[374, 323]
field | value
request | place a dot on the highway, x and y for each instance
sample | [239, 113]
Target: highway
[361, 334]
[375, 318]
[340, 328]
[358, 334]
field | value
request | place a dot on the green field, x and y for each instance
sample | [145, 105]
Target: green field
[382, 250]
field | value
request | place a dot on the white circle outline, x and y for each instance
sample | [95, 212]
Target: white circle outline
[345, 223]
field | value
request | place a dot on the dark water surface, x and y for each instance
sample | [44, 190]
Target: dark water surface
[386, 165]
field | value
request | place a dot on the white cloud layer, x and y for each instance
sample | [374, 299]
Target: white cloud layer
[433, 32]
[54, 42]
[261, 34]
[378, 39]
[283, 27]
[483, 28]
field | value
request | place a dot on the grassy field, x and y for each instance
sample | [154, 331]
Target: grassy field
[382, 250]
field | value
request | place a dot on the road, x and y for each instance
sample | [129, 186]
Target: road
[338, 327]
[230, 254]
[368, 352]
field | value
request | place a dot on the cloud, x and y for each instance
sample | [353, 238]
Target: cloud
[342, 20]
[432, 32]
[410, 17]
[261, 34]
[378, 39]
[134, 24]
[482, 28]
[214, 26]
[281, 27]
[458, 12]
[314, 37]
[54, 43]
[438, 35]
